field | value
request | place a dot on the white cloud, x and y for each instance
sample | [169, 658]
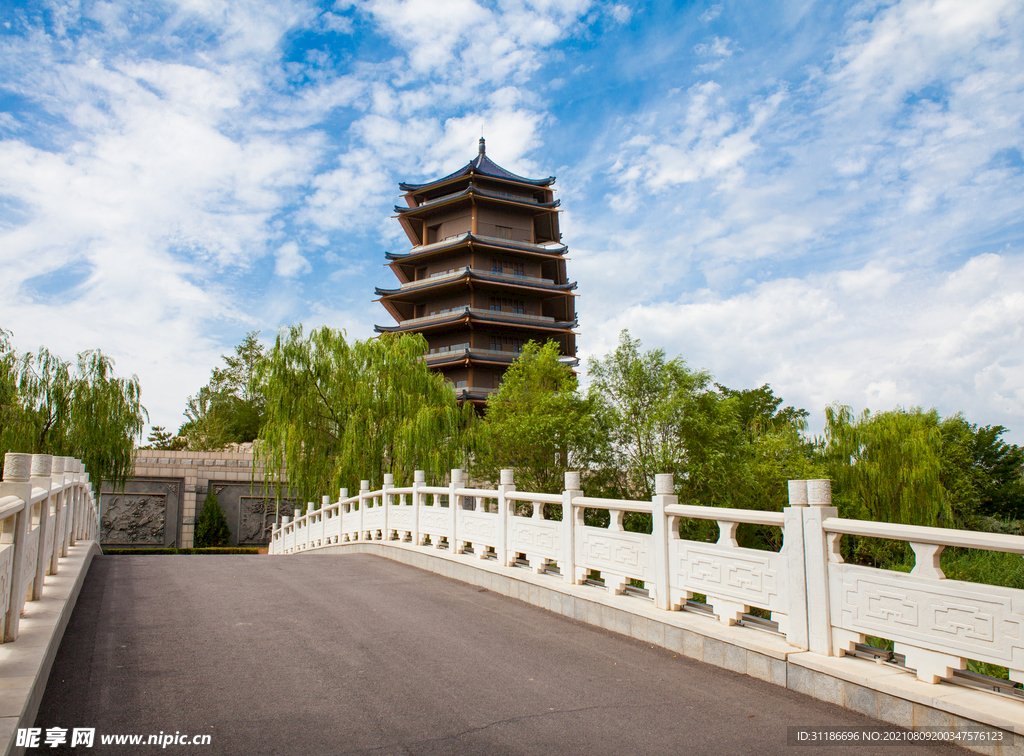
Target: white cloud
[711, 13]
[290, 262]
[868, 337]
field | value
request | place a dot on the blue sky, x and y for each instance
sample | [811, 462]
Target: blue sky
[825, 197]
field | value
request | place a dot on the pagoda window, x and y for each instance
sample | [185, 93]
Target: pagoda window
[501, 304]
[514, 267]
[507, 344]
[503, 232]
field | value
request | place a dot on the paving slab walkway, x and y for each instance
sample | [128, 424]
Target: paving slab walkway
[355, 654]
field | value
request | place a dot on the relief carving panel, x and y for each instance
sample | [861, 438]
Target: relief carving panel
[969, 620]
[617, 552]
[536, 537]
[133, 518]
[476, 527]
[434, 522]
[747, 576]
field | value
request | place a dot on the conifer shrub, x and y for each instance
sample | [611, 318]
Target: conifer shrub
[211, 526]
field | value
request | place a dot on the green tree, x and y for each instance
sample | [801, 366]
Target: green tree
[664, 417]
[161, 438]
[338, 412]
[887, 466]
[536, 423]
[50, 406]
[211, 525]
[230, 408]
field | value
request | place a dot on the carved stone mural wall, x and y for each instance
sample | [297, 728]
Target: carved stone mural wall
[159, 505]
[144, 513]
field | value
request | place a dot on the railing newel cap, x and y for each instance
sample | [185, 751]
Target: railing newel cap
[572, 480]
[17, 467]
[798, 493]
[42, 464]
[664, 484]
[819, 492]
[506, 476]
[419, 476]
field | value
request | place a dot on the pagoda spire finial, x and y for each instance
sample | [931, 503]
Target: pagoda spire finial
[483, 147]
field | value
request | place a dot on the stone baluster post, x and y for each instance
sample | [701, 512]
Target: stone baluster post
[506, 555]
[42, 465]
[819, 625]
[16, 482]
[58, 496]
[342, 495]
[457, 481]
[364, 489]
[74, 504]
[68, 502]
[385, 500]
[419, 479]
[664, 495]
[88, 508]
[793, 551]
[571, 520]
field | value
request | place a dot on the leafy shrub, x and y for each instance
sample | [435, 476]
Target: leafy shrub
[212, 526]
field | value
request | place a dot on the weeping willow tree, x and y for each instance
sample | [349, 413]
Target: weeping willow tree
[337, 412]
[49, 406]
[888, 464]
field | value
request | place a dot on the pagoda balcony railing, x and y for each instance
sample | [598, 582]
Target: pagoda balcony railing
[465, 349]
[458, 237]
[485, 192]
[455, 311]
[434, 278]
[474, 390]
[511, 315]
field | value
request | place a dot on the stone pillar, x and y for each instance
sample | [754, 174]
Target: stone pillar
[571, 519]
[364, 488]
[819, 626]
[419, 479]
[42, 465]
[16, 482]
[385, 500]
[506, 483]
[59, 497]
[793, 552]
[457, 481]
[664, 496]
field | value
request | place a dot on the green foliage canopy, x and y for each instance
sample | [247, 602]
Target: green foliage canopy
[49, 406]
[229, 409]
[337, 412]
[536, 423]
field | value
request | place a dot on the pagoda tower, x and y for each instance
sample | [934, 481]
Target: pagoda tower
[485, 275]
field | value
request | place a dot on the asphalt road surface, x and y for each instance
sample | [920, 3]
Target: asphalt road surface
[355, 654]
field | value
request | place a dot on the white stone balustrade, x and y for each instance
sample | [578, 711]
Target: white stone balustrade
[819, 603]
[46, 505]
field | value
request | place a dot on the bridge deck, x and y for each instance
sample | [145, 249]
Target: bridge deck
[347, 654]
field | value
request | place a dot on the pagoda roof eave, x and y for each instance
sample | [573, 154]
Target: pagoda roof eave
[426, 285]
[472, 192]
[483, 241]
[484, 166]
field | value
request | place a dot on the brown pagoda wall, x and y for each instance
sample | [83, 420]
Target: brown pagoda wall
[521, 223]
[448, 339]
[439, 266]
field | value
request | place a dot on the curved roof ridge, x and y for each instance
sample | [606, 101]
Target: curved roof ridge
[485, 166]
